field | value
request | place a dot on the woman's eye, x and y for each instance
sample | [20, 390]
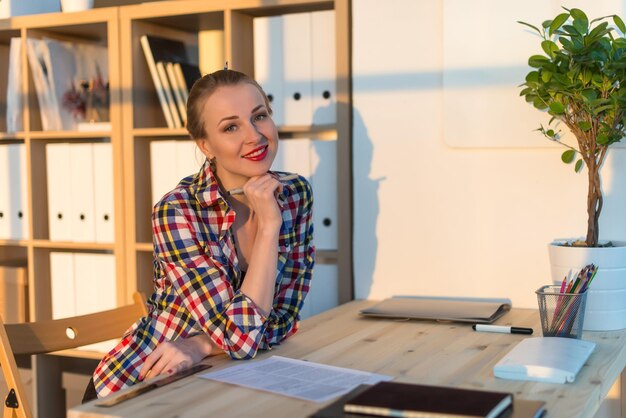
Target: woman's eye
[260, 116]
[230, 128]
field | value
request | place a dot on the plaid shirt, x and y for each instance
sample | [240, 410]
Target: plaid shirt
[197, 279]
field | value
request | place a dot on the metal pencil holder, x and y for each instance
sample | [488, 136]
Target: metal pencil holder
[561, 314]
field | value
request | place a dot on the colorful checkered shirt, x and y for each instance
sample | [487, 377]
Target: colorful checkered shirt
[197, 280]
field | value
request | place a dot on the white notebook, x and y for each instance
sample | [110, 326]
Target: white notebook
[545, 359]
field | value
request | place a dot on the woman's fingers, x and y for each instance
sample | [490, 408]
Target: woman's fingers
[172, 356]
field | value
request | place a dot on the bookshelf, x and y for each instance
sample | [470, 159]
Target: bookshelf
[214, 32]
[95, 27]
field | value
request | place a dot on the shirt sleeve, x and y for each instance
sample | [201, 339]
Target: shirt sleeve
[295, 277]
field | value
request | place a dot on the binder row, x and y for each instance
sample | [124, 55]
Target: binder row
[294, 61]
[171, 161]
[83, 283]
[13, 192]
[80, 192]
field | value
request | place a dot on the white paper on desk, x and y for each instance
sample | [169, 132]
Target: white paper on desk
[296, 378]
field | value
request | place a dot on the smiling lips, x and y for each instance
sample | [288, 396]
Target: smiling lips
[258, 154]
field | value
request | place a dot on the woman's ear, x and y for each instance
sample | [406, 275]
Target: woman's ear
[205, 148]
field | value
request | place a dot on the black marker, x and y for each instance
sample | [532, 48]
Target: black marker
[501, 328]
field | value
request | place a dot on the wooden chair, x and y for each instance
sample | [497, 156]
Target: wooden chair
[54, 335]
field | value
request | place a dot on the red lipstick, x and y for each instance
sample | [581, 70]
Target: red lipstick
[257, 154]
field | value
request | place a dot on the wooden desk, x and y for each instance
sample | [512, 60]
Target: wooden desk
[413, 351]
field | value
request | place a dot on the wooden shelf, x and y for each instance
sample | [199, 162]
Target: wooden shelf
[144, 246]
[13, 243]
[15, 137]
[78, 246]
[65, 135]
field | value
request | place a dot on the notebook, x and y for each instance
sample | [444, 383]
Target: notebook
[522, 408]
[447, 309]
[545, 359]
[393, 399]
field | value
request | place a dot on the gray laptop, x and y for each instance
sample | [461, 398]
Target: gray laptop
[441, 309]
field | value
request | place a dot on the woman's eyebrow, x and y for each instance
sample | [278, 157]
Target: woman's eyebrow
[237, 117]
[227, 118]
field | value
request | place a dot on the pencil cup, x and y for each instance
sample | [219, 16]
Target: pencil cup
[561, 314]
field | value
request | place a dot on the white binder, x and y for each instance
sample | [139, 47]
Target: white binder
[268, 62]
[13, 192]
[62, 285]
[323, 293]
[94, 281]
[323, 88]
[5, 183]
[189, 159]
[163, 168]
[103, 192]
[297, 62]
[294, 156]
[59, 193]
[82, 210]
[324, 184]
[19, 190]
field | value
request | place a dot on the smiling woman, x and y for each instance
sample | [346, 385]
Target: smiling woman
[231, 270]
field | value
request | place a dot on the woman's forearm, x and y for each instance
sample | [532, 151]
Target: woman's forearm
[261, 275]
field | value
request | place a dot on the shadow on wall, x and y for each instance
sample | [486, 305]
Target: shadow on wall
[366, 208]
[612, 226]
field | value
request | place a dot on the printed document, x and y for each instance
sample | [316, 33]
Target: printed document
[296, 378]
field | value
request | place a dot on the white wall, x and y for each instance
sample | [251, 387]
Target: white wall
[440, 209]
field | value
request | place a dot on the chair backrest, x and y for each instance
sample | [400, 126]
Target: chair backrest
[54, 335]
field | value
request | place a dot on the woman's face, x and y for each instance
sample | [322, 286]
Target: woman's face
[241, 135]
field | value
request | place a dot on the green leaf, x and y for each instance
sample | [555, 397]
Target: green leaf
[546, 76]
[567, 44]
[557, 107]
[532, 77]
[602, 139]
[619, 23]
[557, 22]
[581, 26]
[589, 94]
[539, 104]
[537, 61]
[579, 165]
[568, 156]
[545, 24]
[530, 26]
[584, 125]
[578, 14]
[571, 29]
[549, 47]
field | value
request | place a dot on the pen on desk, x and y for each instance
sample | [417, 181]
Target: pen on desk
[501, 328]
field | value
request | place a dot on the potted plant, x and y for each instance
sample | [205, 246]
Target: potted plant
[580, 80]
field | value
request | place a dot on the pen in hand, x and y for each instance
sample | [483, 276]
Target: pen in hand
[502, 329]
[239, 190]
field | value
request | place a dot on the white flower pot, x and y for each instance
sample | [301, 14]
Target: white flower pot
[606, 300]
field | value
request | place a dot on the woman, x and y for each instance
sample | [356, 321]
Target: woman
[231, 270]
